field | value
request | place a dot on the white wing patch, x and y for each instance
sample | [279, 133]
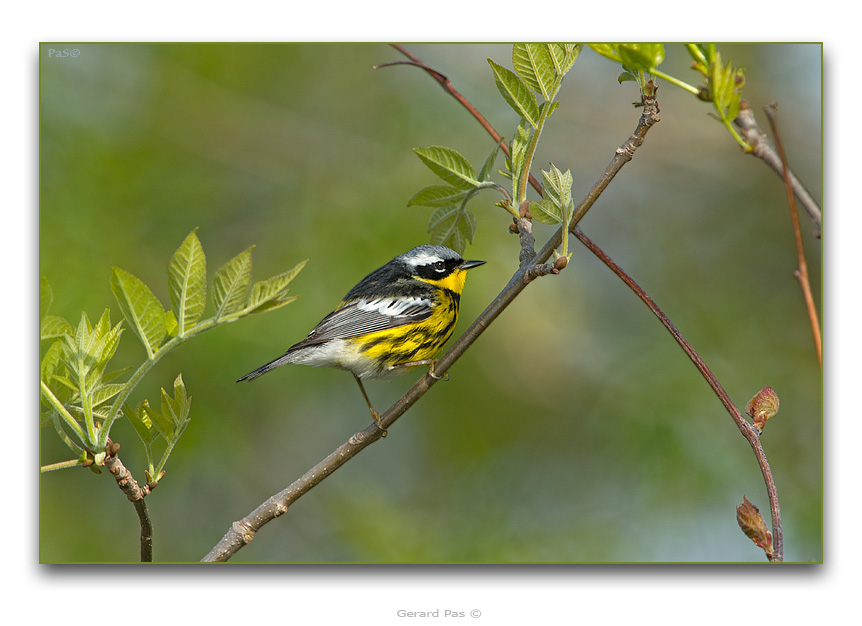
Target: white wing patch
[395, 307]
[368, 316]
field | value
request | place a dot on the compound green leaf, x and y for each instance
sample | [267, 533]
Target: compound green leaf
[107, 344]
[518, 152]
[142, 422]
[53, 327]
[607, 50]
[271, 293]
[535, 65]
[142, 310]
[452, 227]
[488, 166]
[105, 392]
[557, 187]
[51, 362]
[564, 56]
[177, 408]
[437, 196]
[449, 165]
[641, 56]
[516, 92]
[545, 212]
[230, 285]
[161, 422]
[187, 283]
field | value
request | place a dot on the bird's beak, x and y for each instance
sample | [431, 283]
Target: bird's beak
[468, 264]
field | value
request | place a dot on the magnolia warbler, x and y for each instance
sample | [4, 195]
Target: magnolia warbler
[396, 318]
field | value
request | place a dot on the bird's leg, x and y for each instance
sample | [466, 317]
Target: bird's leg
[429, 362]
[377, 417]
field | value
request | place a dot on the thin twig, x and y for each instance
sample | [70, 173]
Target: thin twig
[748, 431]
[136, 494]
[447, 86]
[801, 272]
[763, 149]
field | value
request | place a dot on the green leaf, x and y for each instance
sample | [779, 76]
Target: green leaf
[142, 422]
[488, 166]
[642, 56]
[607, 50]
[106, 392]
[545, 212]
[270, 294]
[141, 308]
[557, 187]
[187, 283]
[449, 165]
[53, 327]
[162, 423]
[275, 303]
[516, 93]
[171, 326]
[535, 65]
[564, 56]
[452, 227]
[437, 196]
[176, 408]
[107, 344]
[82, 346]
[518, 152]
[230, 285]
[551, 105]
[51, 362]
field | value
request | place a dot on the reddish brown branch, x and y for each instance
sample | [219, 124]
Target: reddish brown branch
[801, 272]
[624, 154]
[751, 434]
[447, 86]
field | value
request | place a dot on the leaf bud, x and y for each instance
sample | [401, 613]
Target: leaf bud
[754, 526]
[763, 406]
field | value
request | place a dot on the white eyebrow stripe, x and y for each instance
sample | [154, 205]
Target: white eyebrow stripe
[423, 259]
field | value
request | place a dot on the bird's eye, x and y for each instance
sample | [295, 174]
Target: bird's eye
[439, 266]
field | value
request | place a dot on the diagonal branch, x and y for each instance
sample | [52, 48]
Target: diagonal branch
[763, 149]
[243, 531]
[751, 434]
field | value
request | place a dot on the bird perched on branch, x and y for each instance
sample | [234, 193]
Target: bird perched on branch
[396, 318]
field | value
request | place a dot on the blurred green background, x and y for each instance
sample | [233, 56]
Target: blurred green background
[574, 430]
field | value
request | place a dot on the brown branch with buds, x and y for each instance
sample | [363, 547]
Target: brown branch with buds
[135, 493]
[531, 266]
[624, 154]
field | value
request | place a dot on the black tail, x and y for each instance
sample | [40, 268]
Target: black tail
[263, 369]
